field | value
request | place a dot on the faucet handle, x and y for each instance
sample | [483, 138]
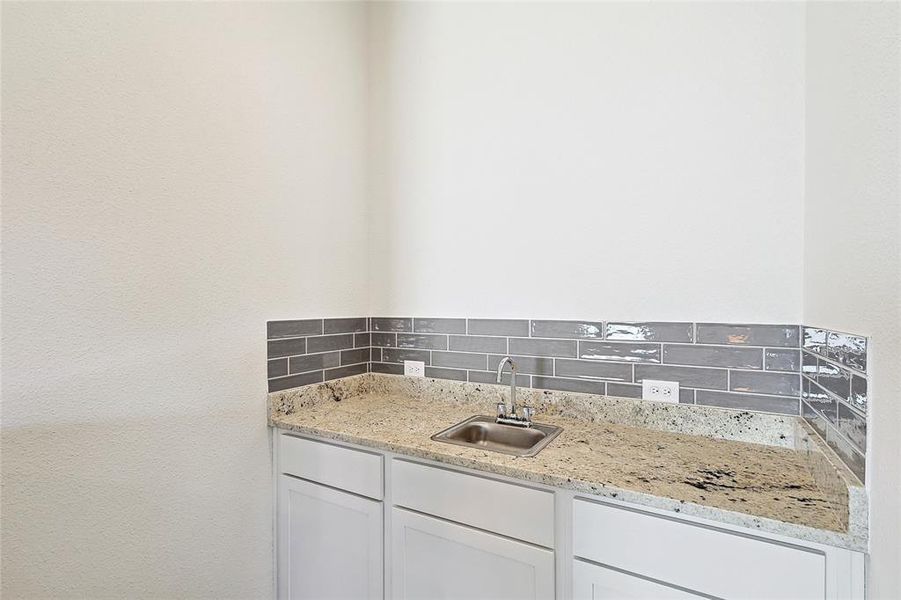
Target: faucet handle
[501, 409]
[527, 413]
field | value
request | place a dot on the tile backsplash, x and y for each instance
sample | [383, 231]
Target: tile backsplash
[785, 369]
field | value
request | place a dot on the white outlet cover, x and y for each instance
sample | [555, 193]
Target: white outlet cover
[414, 368]
[660, 391]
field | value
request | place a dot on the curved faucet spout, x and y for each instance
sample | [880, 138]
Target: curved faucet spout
[500, 372]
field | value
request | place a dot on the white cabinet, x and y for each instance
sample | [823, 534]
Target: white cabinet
[436, 559]
[594, 582]
[330, 543]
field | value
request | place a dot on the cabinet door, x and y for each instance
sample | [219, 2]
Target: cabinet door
[329, 543]
[594, 582]
[436, 559]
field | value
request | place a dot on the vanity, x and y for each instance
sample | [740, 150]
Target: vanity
[618, 505]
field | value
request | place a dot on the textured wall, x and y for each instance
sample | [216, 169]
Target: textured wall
[173, 175]
[852, 230]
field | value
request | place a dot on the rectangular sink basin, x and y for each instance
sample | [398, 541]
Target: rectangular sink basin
[483, 433]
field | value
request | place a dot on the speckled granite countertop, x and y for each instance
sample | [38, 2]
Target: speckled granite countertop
[774, 488]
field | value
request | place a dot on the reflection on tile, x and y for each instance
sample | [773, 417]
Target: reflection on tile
[850, 350]
[312, 362]
[815, 340]
[782, 359]
[533, 347]
[288, 347]
[277, 367]
[383, 340]
[399, 355]
[439, 325]
[440, 373]
[713, 356]
[390, 324]
[859, 392]
[583, 369]
[353, 325]
[491, 377]
[460, 360]
[569, 385]
[498, 327]
[620, 351]
[567, 329]
[624, 390]
[853, 425]
[422, 340]
[816, 420]
[849, 455]
[525, 364]
[650, 331]
[809, 364]
[819, 400]
[694, 377]
[330, 342]
[292, 381]
[475, 343]
[345, 371]
[834, 379]
[296, 328]
[781, 384]
[772, 404]
[783, 336]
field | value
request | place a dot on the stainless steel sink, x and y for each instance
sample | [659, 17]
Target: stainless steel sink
[483, 433]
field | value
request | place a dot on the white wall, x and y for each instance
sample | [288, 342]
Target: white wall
[590, 160]
[852, 233]
[174, 174]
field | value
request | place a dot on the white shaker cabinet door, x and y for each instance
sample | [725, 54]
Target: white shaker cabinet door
[330, 543]
[438, 560]
[594, 582]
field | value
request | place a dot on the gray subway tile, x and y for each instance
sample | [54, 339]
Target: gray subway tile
[686, 395]
[424, 325]
[772, 404]
[326, 343]
[357, 355]
[475, 343]
[834, 379]
[850, 350]
[296, 328]
[780, 336]
[389, 368]
[441, 373]
[713, 356]
[498, 327]
[277, 367]
[567, 329]
[781, 384]
[819, 400]
[694, 377]
[429, 341]
[351, 325]
[293, 381]
[347, 371]
[650, 331]
[391, 324]
[623, 390]
[809, 363]
[584, 369]
[582, 386]
[533, 347]
[383, 340]
[362, 340]
[288, 347]
[853, 425]
[782, 359]
[633, 352]
[855, 460]
[859, 398]
[375, 355]
[815, 419]
[460, 360]
[525, 364]
[313, 362]
[522, 380]
[814, 339]
[399, 355]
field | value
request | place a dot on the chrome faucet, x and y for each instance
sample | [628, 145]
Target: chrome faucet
[503, 416]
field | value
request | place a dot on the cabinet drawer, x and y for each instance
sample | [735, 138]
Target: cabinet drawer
[343, 468]
[505, 508]
[700, 558]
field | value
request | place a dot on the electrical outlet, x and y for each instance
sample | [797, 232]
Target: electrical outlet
[416, 368]
[661, 391]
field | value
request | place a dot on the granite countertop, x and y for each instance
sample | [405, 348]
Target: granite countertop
[766, 487]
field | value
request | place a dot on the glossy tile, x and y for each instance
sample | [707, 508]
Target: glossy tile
[533, 347]
[352, 325]
[460, 360]
[567, 329]
[389, 368]
[383, 340]
[352, 357]
[583, 369]
[347, 371]
[749, 335]
[390, 324]
[522, 380]
[809, 363]
[781, 384]
[288, 347]
[325, 343]
[525, 364]
[859, 398]
[428, 341]
[292, 381]
[693, 377]
[771, 404]
[475, 343]
[277, 367]
[624, 390]
[819, 400]
[782, 359]
[428, 325]
[569, 385]
[375, 355]
[853, 425]
[519, 327]
[650, 331]
[296, 328]
[399, 355]
[312, 362]
[362, 339]
[834, 379]
[849, 350]
[633, 352]
[441, 373]
[816, 420]
[713, 356]
[855, 461]
[814, 340]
